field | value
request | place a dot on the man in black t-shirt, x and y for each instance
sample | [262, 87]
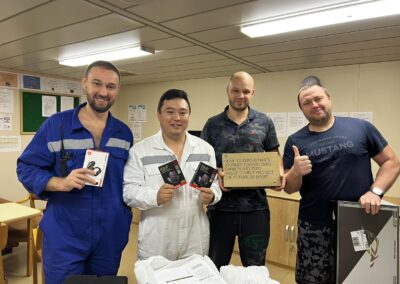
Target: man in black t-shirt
[330, 159]
[243, 213]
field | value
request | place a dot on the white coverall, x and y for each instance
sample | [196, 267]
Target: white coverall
[180, 227]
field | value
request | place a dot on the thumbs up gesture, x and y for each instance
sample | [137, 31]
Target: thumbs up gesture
[302, 164]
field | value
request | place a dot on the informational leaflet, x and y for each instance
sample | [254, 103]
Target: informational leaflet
[73, 87]
[53, 85]
[137, 113]
[280, 122]
[6, 100]
[137, 130]
[296, 121]
[5, 121]
[49, 105]
[66, 103]
[368, 116]
[10, 143]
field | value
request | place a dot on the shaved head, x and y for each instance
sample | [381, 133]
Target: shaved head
[241, 75]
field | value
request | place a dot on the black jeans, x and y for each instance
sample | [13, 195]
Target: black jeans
[252, 229]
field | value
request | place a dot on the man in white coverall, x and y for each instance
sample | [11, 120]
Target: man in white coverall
[173, 223]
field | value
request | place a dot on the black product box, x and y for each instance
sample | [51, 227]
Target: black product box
[366, 245]
[204, 176]
[172, 173]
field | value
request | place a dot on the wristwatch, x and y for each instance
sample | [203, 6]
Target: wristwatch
[378, 191]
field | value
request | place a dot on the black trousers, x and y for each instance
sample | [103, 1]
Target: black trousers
[252, 229]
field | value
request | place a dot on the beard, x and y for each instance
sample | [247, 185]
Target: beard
[99, 108]
[321, 120]
[237, 107]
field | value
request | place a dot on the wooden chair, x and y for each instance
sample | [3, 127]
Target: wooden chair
[21, 231]
[3, 243]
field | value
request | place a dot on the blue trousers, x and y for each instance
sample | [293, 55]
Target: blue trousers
[81, 240]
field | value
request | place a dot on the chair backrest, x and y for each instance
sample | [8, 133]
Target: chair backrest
[3, 243]
[3, 235]
[29, 199]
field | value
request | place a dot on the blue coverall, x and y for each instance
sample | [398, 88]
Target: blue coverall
[85, 230]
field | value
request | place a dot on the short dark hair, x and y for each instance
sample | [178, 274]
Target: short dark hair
[173, 94]
[105, 65]
[308, 82]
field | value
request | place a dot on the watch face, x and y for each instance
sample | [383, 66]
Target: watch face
[377, 191]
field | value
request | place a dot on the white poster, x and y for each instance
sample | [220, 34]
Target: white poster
[49, 105]
[73, 87]
[368, 116]
[10, 143]
[67, 103]
[6, 100]
[296, 121]
[137, 131]
[280, 122]
[5, 121]
[53, 85]
[137, 113]
[341, 114]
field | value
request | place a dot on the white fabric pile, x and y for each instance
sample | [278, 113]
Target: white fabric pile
[246, 275]
[192, 270]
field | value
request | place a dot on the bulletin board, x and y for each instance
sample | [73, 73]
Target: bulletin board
[31, 110]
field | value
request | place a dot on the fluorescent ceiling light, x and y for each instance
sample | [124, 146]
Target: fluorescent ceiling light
[345, 12]
[108, 55]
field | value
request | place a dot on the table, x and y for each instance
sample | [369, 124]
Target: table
[11, 212]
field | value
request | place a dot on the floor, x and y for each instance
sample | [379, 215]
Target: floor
[15, 267]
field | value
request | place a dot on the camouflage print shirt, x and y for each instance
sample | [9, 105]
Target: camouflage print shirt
[256, 134]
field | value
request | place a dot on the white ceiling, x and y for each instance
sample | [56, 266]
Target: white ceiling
[195, 38]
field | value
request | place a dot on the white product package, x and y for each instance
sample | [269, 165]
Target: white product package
[97, 161]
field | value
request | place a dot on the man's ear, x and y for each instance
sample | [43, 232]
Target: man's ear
[83, 83]
[158, 115]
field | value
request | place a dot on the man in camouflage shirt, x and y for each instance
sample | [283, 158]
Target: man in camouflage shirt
[240, 212]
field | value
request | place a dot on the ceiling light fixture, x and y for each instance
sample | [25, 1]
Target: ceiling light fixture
[348, 11]
[108, 55]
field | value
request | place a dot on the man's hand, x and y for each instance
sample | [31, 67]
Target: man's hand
[282, 186]
[302, 164]
[165, 194]
[206, 195]
[77, 179]
[221, 180]
[370, 202]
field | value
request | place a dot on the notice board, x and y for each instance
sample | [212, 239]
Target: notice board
[31, 110]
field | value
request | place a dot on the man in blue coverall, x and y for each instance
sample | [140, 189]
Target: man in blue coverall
[85, 227]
